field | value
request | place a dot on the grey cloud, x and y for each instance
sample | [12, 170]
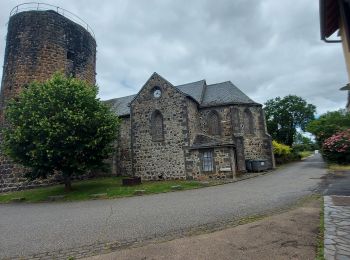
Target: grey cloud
[267, 48]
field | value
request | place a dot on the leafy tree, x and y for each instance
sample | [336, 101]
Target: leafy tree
[328, 124]
[59, 126]
[285, 115]
[303, 143]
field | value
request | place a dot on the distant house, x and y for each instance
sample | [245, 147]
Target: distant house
[191, 131]
[335, 17]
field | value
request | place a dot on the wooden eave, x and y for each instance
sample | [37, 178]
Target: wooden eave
[329, 17]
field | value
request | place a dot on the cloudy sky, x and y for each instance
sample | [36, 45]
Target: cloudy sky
[268, 48]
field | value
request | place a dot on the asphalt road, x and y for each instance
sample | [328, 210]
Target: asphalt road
[26, 229]
[336, 184]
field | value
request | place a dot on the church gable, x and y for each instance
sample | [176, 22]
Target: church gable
[155, 89]
[159, 130]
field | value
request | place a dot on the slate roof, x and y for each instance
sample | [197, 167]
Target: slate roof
[224, 93]
[120, 105]
[205, 95]
[194, 89]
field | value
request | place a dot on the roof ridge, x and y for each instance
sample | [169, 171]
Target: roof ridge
[225, 93]
[190, 83]
[119, 97]
[154, 74]
[221, 83]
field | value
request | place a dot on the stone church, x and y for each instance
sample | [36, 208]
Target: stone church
[190, 131]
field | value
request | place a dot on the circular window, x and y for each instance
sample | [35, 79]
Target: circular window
[157, 92]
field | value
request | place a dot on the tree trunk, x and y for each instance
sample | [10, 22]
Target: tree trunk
[67, 183]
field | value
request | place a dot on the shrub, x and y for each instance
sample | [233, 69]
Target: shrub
[281, 149]
[284, 153]
[337, 147]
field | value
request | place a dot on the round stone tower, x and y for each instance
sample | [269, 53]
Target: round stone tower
[41, 40]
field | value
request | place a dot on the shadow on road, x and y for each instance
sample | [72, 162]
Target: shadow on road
[337, 183]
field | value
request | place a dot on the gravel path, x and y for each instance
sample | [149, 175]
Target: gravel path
[28, 229]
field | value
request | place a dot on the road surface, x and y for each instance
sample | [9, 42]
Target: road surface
[27, 229]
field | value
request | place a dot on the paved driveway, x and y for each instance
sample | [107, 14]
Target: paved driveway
[26, 229]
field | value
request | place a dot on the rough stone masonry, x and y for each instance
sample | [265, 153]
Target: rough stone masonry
[38, 44]
[192, 131]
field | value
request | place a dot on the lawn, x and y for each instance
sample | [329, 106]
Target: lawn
[105, 187]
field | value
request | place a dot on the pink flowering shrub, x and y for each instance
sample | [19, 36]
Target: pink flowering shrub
[337, 147]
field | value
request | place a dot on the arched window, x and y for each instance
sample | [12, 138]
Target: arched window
[157, 127]
[248, 121]
[213, 123]
[236, 123]
[262, 120]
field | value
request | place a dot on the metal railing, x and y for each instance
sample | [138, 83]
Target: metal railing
[31, 6]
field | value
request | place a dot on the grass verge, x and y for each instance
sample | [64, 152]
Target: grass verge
[320, 239]
[305, 154]
[103, 187]
[338, 167]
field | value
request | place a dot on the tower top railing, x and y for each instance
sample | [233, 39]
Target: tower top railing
[36, 6]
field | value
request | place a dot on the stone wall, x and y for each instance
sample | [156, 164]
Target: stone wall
[38, 44]
[224, 113]
[254, 144]
[224, 164]
[159, 159]
[194, 124]
[122, 161]
[242, 138]
[258, 144]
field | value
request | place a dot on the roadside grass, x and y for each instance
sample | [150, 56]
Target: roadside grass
[106, 187]
[320, 238]
[305, 154]
[338, 167]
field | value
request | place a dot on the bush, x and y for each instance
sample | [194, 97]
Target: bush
[337, 147]
[284, 153]
[280, 149]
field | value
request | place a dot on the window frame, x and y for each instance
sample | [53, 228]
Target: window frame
[210, 125]
[207, 162]
[157, 136]
[235, 120]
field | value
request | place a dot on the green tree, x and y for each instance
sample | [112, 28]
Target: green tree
[303, 143]
[285, 115]
[59, 126]
[328, 124]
